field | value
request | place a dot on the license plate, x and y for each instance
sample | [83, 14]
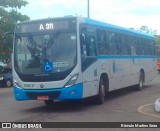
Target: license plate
[42, 98]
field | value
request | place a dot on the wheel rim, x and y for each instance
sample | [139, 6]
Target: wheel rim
[141, 83]
[103, 90]
[102, 93]
[8, 83]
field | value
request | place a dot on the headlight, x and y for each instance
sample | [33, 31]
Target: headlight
[72, 80]
[16, 84]
[1, 78]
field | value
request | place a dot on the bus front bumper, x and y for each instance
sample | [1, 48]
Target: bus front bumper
[70, 93]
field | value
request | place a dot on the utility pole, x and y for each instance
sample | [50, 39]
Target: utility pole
[88, 9]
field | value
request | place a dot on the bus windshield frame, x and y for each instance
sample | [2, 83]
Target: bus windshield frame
[46, 54]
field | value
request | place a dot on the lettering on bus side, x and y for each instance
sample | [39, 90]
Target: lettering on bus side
[47, 26]
[29, 85]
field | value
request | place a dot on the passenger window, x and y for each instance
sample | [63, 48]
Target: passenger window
[133, 50]
[133, 43]
[87, 40]
[91, 46]
[114, 42]
[102, 42]
[83, 40]
[125, 48]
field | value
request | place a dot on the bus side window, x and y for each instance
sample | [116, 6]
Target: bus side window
[91, 49]
[87, 44]
[83, 40]
[152, 47]
[83, 44]
[133, 50]
[102, 42]
[133, 45]
[124, 42]
[114, 42]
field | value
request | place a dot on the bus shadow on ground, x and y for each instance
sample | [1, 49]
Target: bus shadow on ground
[80, 105]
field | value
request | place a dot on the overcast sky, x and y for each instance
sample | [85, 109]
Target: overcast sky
[126, 13]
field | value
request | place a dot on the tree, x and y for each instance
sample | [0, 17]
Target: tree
[157, 39]
[145, 29]
[9, 17]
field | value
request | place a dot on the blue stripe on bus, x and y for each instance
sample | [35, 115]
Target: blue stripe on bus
[125, 57]
[70, 93]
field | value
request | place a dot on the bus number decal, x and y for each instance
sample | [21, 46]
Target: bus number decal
[47, 26]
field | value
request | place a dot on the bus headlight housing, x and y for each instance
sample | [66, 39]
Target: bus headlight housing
[72, 80]
[1, 78]
[17, 84]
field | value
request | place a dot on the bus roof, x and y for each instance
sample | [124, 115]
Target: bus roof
[97, 23]
[47, 19]
[117, 28]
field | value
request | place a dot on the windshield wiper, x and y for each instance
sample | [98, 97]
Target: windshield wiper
[31, 43]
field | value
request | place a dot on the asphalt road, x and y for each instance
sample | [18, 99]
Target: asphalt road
[125, 105]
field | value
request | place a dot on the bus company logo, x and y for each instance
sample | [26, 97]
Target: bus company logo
[41, 85]
[29, 85]
[6, 125]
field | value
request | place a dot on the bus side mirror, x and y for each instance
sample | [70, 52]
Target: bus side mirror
[4, 43]
[82, 38]
[83, 44]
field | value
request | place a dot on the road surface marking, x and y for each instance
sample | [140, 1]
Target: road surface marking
[140, 110]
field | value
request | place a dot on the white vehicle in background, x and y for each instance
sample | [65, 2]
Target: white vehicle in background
[2, 64]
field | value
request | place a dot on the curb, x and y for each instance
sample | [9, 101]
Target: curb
[157, 105]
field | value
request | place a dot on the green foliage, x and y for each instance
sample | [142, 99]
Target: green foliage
[145, 29]
[13, 3]
[157, 38]
[8, 18]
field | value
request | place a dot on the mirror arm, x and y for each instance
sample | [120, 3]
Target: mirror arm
[4, 38]
[7, 33]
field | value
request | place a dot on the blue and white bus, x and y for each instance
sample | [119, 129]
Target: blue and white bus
[73, 58]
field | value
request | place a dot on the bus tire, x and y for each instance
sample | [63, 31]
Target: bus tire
[8, 83]
[100, 98]
[140, 85]
[49, 102]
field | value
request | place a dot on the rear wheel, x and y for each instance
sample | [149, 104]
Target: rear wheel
[100, 98]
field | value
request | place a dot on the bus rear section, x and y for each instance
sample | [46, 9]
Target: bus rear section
[158, 57]
[158, 65]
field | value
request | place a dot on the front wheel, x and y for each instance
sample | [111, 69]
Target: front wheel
[8, 83]
[100, 98]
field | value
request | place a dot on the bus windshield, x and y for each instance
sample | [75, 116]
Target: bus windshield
[39, 54]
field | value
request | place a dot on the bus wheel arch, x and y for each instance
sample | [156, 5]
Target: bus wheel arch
[105, 77]
[103, 89]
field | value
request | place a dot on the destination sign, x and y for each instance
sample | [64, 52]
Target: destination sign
[46, 25]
